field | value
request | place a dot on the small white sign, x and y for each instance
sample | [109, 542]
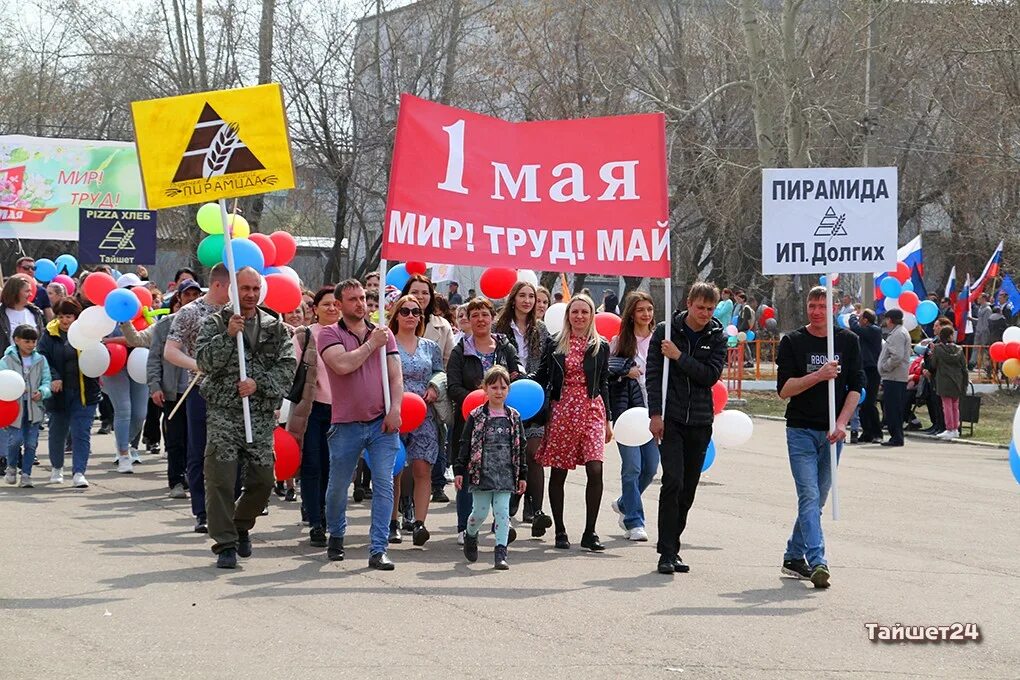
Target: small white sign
[821, 220]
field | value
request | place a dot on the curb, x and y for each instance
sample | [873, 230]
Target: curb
[914, 435]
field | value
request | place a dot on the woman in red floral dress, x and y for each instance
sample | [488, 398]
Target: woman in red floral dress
[575, 375]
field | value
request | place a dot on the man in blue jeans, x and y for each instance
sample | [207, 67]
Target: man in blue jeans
[804, 370]
[350, 350]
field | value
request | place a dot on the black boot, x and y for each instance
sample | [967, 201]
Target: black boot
[243, 543]
[528, 513]
[471, 547]
[499, 561]
[395, 536]
[335, 549]
[317, 537]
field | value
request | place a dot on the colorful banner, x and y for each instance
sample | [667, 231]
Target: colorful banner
[202, 147]
[117, 237]
[45, 181]
[586, 195]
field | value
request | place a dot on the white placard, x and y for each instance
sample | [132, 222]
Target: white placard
[821, 220]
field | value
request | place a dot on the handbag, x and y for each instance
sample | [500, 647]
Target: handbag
[442, 405]
[297, 388]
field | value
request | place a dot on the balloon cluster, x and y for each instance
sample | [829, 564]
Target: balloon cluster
[57, 271]
[899, 293]
[1007, 352]
[735, 337]
[1014, 455]
[12, 389]
[269, 255]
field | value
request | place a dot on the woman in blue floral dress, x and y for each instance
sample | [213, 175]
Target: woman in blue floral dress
[421, 361]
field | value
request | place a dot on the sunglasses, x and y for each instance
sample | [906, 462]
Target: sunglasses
[409, 311]
[28, 267]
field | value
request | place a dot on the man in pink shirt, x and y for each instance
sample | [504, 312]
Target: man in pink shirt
[350, 352]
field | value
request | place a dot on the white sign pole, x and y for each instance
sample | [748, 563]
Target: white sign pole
[235, 297]
[382, 322]
[668, 302]
[830, 339]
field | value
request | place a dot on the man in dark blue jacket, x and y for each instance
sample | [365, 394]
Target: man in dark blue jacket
[870, 336]
[696, 351]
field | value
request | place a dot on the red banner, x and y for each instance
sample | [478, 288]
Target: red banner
[586, 195]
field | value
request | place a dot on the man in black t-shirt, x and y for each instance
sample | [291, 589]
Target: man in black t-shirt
[804, 370]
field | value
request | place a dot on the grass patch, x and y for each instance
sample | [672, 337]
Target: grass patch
[995, 424]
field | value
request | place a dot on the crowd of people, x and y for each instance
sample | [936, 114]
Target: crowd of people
[319, 373]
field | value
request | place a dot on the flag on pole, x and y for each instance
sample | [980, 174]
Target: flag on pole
[443, 272]
[912, 256]
[1009, 287]
[963, 311]
[564, 288]
[991, 270]
[951, 286]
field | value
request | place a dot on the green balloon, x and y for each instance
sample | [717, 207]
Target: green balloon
[210, 250]
[210, 219]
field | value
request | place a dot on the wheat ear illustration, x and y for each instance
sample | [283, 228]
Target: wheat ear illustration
[220, 150]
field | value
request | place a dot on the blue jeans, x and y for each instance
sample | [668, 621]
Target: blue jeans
[315, 463]
[77, 420]
[638, 465]
[27, 434]
[130, 405]
[346, 442]
[855, 420]
[464, 505]
[812, 475]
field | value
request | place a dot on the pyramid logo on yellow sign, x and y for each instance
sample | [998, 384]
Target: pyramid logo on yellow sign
[215, 149]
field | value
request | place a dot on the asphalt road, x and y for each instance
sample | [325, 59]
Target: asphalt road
[112, 583]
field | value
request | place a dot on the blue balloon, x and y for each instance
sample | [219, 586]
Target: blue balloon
[907, 286]
[1014, 461]
[270, 270]
[45, 270]
[399, 461]
[709, 456]
[122, 305]
[926, 312]
[864, 395]
[919, 350]
[750, 336]
[822, 280]
[527, 396]
[397, 276]
[890, 287]
[68, 264]
[246, 254]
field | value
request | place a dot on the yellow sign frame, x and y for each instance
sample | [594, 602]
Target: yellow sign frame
[201, 147]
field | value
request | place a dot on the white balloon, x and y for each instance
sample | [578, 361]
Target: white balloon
[892, 303]
[527, 276]
[554, 317]
[95, 323]
[631, 428]
[732, 428]
[93, 361]
[136, 362]
[1016, 425]
[909, 321]
[288, 272]
[79, 337]
[263, 289]
[1011, 334]
[12, 385]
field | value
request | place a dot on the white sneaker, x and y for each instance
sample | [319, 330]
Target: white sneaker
[11, 477]
[26, 482]
[951, 434]
[178, 492]
[136, 456]
[57, 476]
[124, 465]
[636, 534]
[944, 434]
[460, 538]
[619, 515]
[448, 474]
[79, 481]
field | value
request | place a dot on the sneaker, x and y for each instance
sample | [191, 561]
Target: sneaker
[952, 434]
[105, 429]
[243, 543]
[381, 562]
[57, 476]
[201, 526]
[419, 534]
[854, 436]
[335, 549]
[359, 494]
[528, 513]
[136, 456]
[11, 477]
[499, 559]
[124, 465]
[395, 536]
[178, 492]
[279, 489]
[615, 505]
[820, 576]
[78, 481]
[636, 534]
[291, 496]
[26, 481]
[796, 568]
[460, 538]
[227, 559]
[317, 537]
[471, 547]
[152, 449]
[449, 474]
[439, 496]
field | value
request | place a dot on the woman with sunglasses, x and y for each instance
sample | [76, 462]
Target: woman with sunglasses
[420, 361]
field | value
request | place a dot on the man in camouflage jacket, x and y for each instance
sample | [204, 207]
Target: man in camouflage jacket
[269, 354]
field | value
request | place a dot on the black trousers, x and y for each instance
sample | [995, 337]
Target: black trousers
[871, 426]
[151, 430]
[938, 418]
[105, 410]
[894, 402]
[682, 455]
[176, 441]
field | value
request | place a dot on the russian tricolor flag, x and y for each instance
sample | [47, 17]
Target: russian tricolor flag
[991, 270]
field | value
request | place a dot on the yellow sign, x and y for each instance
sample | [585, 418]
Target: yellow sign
[202, 147]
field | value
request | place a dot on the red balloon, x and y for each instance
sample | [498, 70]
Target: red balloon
[997, 350]
[908, 301]
[767, 313]
[266, 245]
[607, 324]
[140, 322]
[288, 454]
[1013, 350]
[8, 412]
[720, 395]
[415, 268]
[118, 358]
[412, 412]
[496, 282]
[902, 273]
[283, 294]
[472, 401]
[286, 248]
[97, 286]
[143, 295]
